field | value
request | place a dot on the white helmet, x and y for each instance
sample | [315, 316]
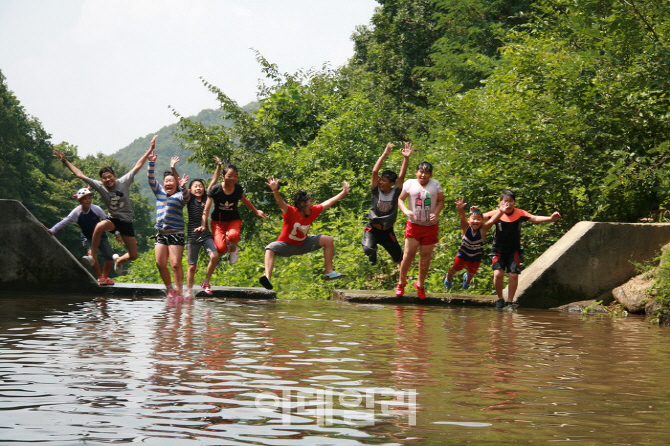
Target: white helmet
[82, 192]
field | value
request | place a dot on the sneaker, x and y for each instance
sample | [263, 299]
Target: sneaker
[103, 281]
[500, 303]
[232, 257]
[206, 288]
[89, 260]
[266, 283]
[420, 291]
[332, 275]
[466, 285]
[400, 289]
[118, 266]
[447, 283]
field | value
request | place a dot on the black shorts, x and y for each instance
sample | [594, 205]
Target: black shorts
[507, 261]
[171, 239]
[124, 227]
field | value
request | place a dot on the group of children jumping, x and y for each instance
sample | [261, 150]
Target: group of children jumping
[420, 199]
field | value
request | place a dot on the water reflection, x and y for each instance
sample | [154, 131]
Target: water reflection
[303, 372]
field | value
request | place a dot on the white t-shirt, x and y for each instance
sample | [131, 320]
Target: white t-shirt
[422, 200]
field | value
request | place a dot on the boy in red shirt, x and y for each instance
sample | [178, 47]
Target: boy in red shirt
[294, 238]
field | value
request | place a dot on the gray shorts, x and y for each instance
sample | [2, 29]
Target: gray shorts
[104, 247]
[283, 249]
[193, 249]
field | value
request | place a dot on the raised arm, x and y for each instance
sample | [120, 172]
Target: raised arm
[143, 159]
[542, 219]
[185, 193]
[74, 169]
[217, 172]
[460, 206]
[378, 165]
[493, 219]
[151, 176]
[406, 153]
[173, 168]
[332, 200]
[273, 184]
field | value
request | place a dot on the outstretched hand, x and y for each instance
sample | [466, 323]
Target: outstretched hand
[273, 184]
[183, 180]
[173, 161]
[460, 204]
[152, 156]
[407, 150]
[345, 187]
[555, 216]
[387, 149]
[58, 154]
[218, 160]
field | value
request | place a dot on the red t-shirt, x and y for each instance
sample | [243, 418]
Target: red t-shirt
[296, 227]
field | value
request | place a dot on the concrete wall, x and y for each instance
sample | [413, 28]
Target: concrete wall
[588, 262]
[34, 260]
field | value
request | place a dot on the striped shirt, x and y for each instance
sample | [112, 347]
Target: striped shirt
[472, 246]
[169, 209]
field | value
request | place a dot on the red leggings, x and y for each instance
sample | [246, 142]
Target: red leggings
[225, 232]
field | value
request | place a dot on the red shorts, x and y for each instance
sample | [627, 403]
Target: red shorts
[470, 266]
[426, 235]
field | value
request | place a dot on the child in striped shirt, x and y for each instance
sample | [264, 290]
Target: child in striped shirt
[171, 197]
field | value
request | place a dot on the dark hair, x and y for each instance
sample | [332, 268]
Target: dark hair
[507, 193]
[425, 165]
[475, 212]
[228, 167]
[107, 169]
[167, 173]
[300, 197]
[200, 180]
[390, 175]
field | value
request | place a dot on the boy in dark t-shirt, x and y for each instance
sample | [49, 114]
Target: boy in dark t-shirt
[507, 245]
[384, 208]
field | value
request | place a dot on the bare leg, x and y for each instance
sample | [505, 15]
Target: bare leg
[131, 246]
[269, 263]
[211, 266]
[499, 281]
[425, 254]
[106, 268]
[176, 252]
[100, 229]
[328, 250]
[512, 286]
[190, 276]
[411, 246]
[161, 262]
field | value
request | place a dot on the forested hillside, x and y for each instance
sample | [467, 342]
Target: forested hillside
[564, 102]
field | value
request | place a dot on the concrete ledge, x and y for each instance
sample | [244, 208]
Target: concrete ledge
[36, 262]
[389, 297]
[588, 262]
[155, 289]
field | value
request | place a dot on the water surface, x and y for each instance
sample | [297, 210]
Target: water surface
[213, 371]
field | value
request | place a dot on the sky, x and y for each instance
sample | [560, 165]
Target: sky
[100, 73]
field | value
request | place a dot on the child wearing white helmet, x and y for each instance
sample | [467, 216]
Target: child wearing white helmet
[87, 216]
